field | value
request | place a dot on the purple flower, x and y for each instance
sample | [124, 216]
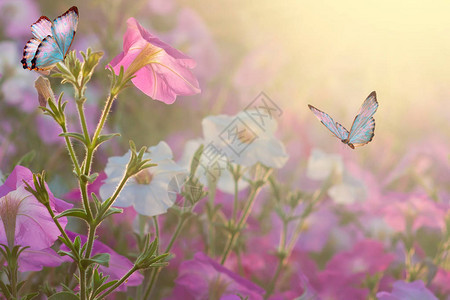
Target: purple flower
[35, 260]
[331, 285]
[204, 278]
[407, 290]
[366, 257]
[415, 209]
[24, 220]
[15, 13]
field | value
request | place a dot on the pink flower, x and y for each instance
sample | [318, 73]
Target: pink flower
[366, 257]
[407, 290]
[415, 209]
[331, 285]
[35, 260]
[161, 71]
[24, 220]
[204, 278]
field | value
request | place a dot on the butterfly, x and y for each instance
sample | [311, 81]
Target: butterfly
[363, 127]
[51, 41]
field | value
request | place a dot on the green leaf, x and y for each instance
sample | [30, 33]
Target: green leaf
[74, 135]
[30, 296]
[5, 290]
[104, 287]
[63, 296]
[101, 259]
[105, 137]
[111, 211]
[73, 212]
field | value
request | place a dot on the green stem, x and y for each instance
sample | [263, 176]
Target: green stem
[71, 152]
[246, 212]
[271, 287]
[64, 234]
[118, 283]
[155, 223]
[156, 271]
[82, 283]
[104, 116]
[235, 201]
[91, 238]
[80, 108]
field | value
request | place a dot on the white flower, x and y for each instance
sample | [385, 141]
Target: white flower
[321, 165]
[146, 191]
[209, 166]
[244, 141]
[347, 189]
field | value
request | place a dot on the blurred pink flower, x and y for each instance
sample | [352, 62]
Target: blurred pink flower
[416, 209]
[194, 36]
[161, 7]
[331, 285]
[25, 221]
[118, 265]
[204, 278]
[428, 160]
[75, 196]
[441, 282]
[367, 257]
[407, 290]
[161, 71]
[14, 14]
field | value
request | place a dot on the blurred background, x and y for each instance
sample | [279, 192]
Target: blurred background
[325, 53]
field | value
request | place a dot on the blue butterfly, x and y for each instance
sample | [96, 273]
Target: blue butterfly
[51, 41]
[363, 126]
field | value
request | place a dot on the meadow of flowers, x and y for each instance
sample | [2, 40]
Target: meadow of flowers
[172, 155]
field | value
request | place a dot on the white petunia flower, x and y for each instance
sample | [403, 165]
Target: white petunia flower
[245, 142]
[348, 190]
[146, 191]
[321, 165]
[209, 166]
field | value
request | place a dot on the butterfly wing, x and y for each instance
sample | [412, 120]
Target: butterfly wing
[47, 54]
[337, 129]
[64, 28]
[363, 126]
[28, 52]
[42, 28]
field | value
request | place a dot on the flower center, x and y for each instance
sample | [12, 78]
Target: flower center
[144, 177]
[246, 136]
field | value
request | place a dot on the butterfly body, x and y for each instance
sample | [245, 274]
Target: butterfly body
[51, 41]
[363, 127]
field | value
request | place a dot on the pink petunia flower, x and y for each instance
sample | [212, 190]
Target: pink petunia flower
[366, 257]
[204, 278]
[407, 290]
[161, 71]
[24, 220]
[415, 210]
